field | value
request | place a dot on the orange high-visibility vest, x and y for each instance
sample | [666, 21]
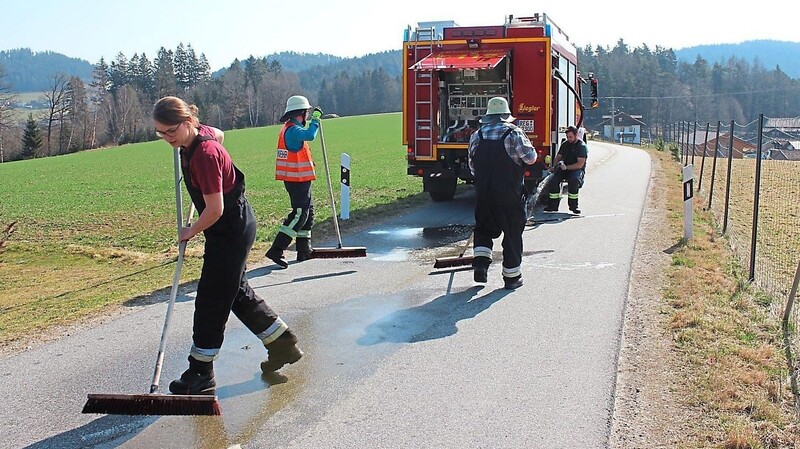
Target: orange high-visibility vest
[293, 166]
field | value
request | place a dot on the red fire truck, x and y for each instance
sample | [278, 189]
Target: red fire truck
[450, 74]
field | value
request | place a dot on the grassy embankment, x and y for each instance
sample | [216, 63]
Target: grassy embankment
[728, 338]
[96, 229]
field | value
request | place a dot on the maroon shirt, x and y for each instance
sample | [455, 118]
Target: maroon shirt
[211, 167]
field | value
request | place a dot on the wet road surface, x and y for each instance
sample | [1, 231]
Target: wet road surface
[397, 354]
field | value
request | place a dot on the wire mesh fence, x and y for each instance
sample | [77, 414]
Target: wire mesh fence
[748, 176]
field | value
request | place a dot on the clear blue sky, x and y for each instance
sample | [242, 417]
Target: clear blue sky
[228, 29]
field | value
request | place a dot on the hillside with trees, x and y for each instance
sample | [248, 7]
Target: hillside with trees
[113, 107]
[28, 71]
[768, 53]
[654, 84]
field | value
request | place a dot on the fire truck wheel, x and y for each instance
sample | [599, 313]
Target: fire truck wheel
[441, 189]
[442, 196]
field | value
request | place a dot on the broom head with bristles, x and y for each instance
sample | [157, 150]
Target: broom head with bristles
[336, 253]
[457, 261]
[152, 404]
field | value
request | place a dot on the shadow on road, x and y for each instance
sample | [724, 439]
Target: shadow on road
[305, 278]
[432, 320]
[103, 430]
[110, 431]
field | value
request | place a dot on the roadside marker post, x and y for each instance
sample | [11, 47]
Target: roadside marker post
[345, 200]
[688, 194]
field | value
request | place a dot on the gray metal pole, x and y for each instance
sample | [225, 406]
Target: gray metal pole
[728, 181]
[703, 161]
[756, 197]
[714, 166]
[688, 130]
[792, 294]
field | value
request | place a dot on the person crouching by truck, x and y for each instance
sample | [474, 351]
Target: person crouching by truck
[295, 167]
[569, 165]
[498, 155]
[217, 187]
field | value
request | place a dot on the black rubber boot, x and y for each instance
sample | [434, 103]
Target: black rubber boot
[573, 206]
[513, 283]
[282, 351]
[552, 205]
[198, 379]
[279, 245]
[480, 268]
[303, 246]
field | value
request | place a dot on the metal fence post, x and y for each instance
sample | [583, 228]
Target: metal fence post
[694, 141]
[728, 181]
[714, 166]
[792, 294]
[756, 197]
[686, 142]
[703, 162]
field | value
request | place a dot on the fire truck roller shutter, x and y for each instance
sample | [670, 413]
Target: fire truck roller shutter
[461, 59]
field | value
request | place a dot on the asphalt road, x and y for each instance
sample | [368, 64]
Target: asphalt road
[397, 354]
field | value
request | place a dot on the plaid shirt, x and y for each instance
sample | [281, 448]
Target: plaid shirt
[518, 147]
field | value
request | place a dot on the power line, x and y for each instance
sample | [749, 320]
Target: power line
[722, 94]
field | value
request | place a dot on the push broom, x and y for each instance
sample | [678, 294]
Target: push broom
[340, 251]
[459, 260]
[154, 403]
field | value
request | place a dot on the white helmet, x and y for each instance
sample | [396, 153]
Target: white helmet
[497, 109]
[294, 105]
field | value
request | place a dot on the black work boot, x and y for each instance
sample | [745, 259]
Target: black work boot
[552, 205]
[198, 379]
[513, 283]
[282, 351]
[573, 206]
[303, 246]
[279, 245]
[480, 268]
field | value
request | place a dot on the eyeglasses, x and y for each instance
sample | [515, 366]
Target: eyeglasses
[169, 132]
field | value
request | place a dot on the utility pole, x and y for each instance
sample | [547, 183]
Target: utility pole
[613, 125]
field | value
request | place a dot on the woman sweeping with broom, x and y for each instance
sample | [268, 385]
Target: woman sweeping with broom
[216, 187]
[226, 219]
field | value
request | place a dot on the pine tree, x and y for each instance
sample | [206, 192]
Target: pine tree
[31, 138]
[182, 67]
[147, 83]
[203, 69]
[118, 72]
[192, 66]
[164, 76]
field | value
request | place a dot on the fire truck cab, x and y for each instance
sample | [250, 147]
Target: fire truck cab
[450, 74]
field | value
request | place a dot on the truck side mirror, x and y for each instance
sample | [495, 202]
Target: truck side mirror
[593, 84]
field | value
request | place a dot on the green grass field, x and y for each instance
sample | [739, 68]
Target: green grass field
[26, 97]
[96, 229]
[21, 114]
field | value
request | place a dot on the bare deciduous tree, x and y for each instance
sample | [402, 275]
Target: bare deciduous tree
[56, 108]
[6, 100]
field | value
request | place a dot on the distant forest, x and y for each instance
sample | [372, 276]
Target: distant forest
[112, 106]
[28, 71]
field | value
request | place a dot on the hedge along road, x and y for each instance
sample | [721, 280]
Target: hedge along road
[397, 354]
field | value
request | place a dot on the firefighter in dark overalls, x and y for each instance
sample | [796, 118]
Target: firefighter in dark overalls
[217, 189]
[295, 167]
[498, 155]
[569, 165]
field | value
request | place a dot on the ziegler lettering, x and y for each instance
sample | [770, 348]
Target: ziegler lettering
[523, 108]
[283, 154]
